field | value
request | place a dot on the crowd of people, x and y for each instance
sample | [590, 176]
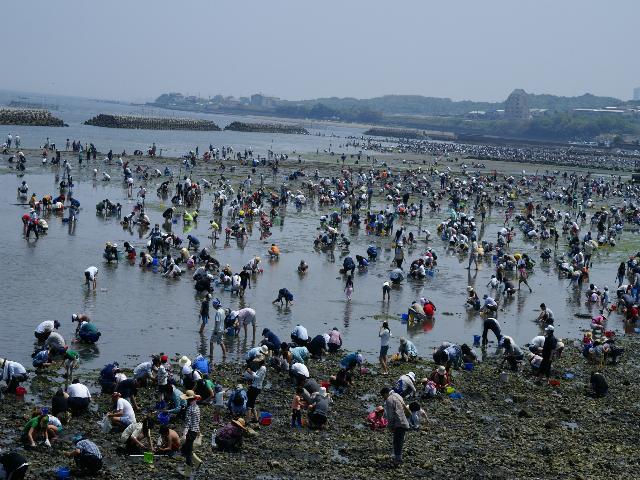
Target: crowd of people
[186, 386]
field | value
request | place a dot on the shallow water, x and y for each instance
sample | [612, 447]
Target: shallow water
[139, 312]
[74, 111]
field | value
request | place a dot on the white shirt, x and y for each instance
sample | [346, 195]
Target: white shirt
[93, 271]
[55, 340]
[385, 334]
[11, 369]
[300, 332]
[301, 369]
[538, 341]
[127, 409]
[78, 390]
[46, 326]
[143, 370]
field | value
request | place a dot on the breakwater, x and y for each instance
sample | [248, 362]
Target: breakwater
[151, 123]
[29, 116]
[266, 128]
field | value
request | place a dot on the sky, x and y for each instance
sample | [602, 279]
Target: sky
[461, 49]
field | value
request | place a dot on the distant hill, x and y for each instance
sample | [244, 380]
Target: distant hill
[369, 109]
[430, 106]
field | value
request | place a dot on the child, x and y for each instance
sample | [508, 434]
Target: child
[376, 419]
[606, 300]
[162, 378]
[218, 404]
[418, 415]
[296, 409]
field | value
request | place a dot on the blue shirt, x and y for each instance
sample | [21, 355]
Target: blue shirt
[299, 354]
[350, 361]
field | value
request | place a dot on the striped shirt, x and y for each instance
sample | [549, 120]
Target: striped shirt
[87, 447]
[193, 418]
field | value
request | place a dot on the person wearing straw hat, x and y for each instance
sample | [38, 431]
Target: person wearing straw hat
[229, 437]
[191, 432]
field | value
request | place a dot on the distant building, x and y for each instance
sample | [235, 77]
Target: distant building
[636, 93]
[516, 107]
[258, 100]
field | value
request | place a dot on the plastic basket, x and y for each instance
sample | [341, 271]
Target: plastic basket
[63, 473]
[163, 418]
[468, 367]
[265, 419]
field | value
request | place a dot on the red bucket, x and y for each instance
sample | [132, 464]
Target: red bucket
[20, 391]
[609, 333]
[325, 385]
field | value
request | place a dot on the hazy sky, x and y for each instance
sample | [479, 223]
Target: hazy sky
[476, 49]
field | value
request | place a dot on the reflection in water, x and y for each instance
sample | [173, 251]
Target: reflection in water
[139, 313]
[346, 319]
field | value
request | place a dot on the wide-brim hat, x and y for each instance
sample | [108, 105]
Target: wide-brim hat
[184, 361]
[264, 349]
[239, 423]
[442, 370]
[189, 395]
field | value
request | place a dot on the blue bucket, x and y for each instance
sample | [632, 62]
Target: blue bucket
[455, 396]
[163, 418]
[468, 367]
[404, 317]
[63, 473]
[476, 340]
[430, 273]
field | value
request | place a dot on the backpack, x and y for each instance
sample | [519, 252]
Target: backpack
[238, 401]
[201, 364]
[189, 381]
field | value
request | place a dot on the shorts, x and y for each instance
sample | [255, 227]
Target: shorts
[204, 319]
[249, 319]
[384, 350]
[126, 421]
[252, 394]
[386, 289]
[216, 337]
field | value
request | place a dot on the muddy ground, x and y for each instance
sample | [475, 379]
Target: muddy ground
[516, 430]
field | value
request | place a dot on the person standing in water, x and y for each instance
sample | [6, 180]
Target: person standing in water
[218, 325]
[348, 288]
[204, 312]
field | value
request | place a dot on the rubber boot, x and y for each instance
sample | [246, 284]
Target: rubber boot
[195, 459]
